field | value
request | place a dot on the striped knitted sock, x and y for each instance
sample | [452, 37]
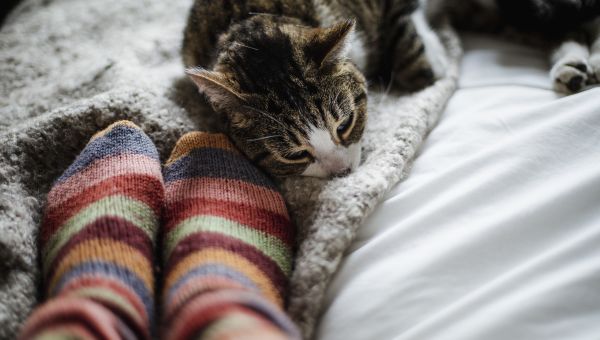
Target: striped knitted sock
[97, 239]
[228, 245]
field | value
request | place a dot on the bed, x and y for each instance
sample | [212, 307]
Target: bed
[491, 236]
[495, 232]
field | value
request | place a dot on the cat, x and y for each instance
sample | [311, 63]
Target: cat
[290, 76]
[569, 29]
[574, 24]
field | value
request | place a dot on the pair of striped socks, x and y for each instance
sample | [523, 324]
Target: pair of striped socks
[218, 225]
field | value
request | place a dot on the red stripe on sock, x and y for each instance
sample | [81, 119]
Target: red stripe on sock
[256, 218]
[119, 288]
[193, 318]
[224, 189]
[90, 315]
[109, 227]
[198, 286]
[147, 189]
[202, 240]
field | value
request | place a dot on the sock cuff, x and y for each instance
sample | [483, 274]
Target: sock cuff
[197, 140]
[195, 315]
[74, 310]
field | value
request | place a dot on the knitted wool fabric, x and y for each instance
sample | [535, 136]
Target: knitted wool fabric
[227, 245]
[97, 240]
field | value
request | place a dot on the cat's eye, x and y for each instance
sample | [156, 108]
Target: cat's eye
[344, 128]
[298, 156]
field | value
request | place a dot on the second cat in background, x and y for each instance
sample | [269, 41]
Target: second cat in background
[568, 29]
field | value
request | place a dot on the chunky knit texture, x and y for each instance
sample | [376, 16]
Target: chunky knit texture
[227, 245]
[97, 240]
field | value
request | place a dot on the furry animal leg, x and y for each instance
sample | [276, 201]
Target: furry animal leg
[594, 60]
[570, 70]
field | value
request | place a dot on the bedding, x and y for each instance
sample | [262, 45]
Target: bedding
[69, 68]
[495, 232]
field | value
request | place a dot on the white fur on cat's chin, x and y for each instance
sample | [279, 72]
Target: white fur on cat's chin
[330, 158]
[434, 50]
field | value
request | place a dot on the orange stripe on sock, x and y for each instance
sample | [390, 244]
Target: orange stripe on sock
[197, 286]
[110, 251]
[201, 311]
[116, 285]
[97, 318]
[226, 258]
[196, 140]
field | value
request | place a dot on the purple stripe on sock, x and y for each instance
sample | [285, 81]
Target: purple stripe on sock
[215, 163]
[212, 270]
[119, 140]
[101, 268]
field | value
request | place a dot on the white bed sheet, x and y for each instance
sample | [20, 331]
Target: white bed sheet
[496, 232]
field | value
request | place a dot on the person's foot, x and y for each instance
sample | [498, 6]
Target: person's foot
[227, 245]
[97, 240]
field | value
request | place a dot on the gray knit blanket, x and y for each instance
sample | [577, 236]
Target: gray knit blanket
[69, 68]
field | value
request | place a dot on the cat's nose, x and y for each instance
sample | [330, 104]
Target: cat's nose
[342, 173]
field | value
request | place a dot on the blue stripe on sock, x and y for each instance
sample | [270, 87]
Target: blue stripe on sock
[212, 270]
[216, 163]
[100, 269]
[119, 140]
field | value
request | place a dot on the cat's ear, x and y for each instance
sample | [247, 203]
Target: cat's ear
[221, 94]
[216, 87]
[329, 43]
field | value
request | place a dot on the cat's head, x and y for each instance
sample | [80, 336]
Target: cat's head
[295, 104]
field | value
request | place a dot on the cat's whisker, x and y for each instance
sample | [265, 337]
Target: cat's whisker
[270, 117]
[246, 46]
[262, 13]
[386, 92]
[332, 103]
[262, 138]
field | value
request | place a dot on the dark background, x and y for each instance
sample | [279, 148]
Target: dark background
[5, 7]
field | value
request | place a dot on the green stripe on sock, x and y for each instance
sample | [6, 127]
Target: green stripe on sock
[120, 206]
[234, 321]
[108, 295]
[267, 244]
[58, 334]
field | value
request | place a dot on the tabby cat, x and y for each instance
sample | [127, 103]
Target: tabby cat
[290, 75]
[570, 29]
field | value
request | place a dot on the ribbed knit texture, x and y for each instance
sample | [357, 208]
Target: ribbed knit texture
[227, 245]
[97, 240]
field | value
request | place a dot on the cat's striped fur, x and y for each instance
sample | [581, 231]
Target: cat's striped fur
[575, 27]
[290, 74]
[569, 29]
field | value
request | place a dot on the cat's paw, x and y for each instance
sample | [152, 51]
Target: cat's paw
[594, 63]
[570, 75]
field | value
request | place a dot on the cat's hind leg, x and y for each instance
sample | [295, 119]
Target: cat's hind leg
[417, 56]
[570, 69]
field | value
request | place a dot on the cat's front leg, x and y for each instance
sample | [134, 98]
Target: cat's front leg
[594, 61]
[570, 69]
